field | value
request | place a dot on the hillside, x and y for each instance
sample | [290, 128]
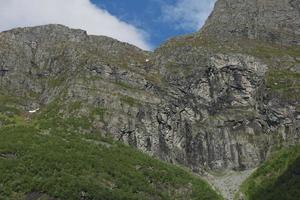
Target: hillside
[45, 160]
[218, 102]
[278, 178]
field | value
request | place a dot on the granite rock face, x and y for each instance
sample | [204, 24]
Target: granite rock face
[276, 21]
[197, 101]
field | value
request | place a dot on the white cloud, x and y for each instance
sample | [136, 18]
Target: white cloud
[188, 14]
[80, 14]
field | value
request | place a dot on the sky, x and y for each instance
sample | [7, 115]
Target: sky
[144, 23]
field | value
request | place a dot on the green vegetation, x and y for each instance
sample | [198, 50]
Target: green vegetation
[155, 78]
[285, 83]
[129, 101]
[278, 178]
[67, 166]
[8, 102]
[264, 50]
[283, 80]
[177, 69]
[99, 112]
[125, 85]
[5, 120]
[9, 112]
[74, 106]
[50, 156]
[55, 82]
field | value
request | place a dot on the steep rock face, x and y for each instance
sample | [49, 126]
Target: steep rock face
[38, 63]
[206, 105]
[269, 20]
[218, 114]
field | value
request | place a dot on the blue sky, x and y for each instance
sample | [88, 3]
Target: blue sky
[160, 19]
[144, 23]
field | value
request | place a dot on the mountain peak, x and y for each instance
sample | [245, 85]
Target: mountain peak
[275, 21]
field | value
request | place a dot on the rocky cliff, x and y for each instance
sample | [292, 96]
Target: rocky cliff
[275, 21]
[220, 99]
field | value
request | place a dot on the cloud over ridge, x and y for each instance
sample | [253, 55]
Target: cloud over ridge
[188, 14]
[80, 14]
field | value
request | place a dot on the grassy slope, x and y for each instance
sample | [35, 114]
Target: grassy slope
[278, 178]
[50, 158]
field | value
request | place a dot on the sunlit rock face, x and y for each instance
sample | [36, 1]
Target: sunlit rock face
[275, 21]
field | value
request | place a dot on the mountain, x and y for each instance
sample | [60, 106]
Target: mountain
[216, 101]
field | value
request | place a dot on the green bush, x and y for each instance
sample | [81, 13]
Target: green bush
[67, 165]
[276, 179]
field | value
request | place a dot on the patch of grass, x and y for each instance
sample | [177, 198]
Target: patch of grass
[55, 82]
[4, 120]
[129, 100]
[75, 106]
[157, 79]
[10, 113]
[9, 110]
[278, 178]
[52, 111]
[260, 49]
[9, 105]
[178, 69]
[77, 122]
[100, 112]
[67, 123]
[64, 165]
[125, 85]
[283, 79]
[285, 83]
